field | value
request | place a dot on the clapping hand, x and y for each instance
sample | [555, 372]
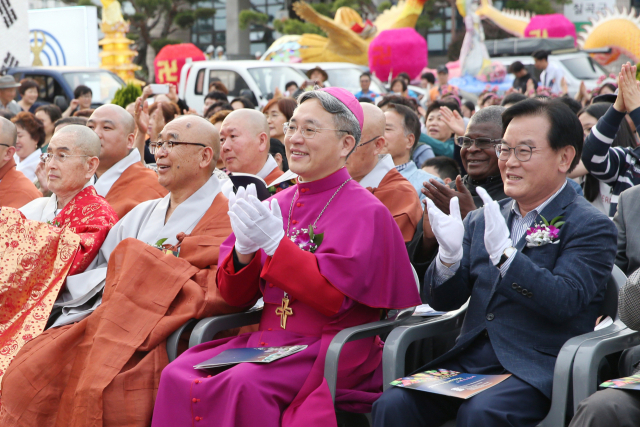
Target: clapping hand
[497, 237]
[449, 231]
[244, 245]
[453, 120]
[141, 115]
[441, 196]
[263, 226]
[628, 87]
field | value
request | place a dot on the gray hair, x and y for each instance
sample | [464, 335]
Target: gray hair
[491, 114]
[343, 118]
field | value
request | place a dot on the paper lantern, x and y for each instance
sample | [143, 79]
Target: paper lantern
[396, 51]
[554, 25]
[170, 60]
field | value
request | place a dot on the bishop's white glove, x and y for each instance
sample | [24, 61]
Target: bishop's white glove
[261, 225]
[448, 229]
[242, 194]
[497, 237]
[244, 245]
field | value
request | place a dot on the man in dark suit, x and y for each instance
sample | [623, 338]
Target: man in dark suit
[527, 296]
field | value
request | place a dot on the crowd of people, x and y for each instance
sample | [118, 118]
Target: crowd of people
[121, 224]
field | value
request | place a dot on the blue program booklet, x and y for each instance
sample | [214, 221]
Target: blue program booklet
[254, 355]
[450, 383]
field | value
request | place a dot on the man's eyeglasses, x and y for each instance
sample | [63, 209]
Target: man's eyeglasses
[481, 143]
[371, 140]
[167, 146]
[309, 131]
[522, 152]
[60, 157]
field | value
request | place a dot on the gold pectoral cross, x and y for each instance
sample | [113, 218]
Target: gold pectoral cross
[284, 311]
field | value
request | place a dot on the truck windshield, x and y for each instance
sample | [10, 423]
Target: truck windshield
[584, 67]
[268, 78]
[103, 84]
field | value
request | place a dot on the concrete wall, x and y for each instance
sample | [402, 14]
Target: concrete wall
[238, 43]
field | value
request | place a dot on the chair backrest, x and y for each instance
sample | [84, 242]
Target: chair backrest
[610, 303]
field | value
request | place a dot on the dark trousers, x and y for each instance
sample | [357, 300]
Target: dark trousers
[609, 408]
[512, 403]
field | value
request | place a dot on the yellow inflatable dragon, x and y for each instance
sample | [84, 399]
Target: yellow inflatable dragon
[617, 30]
[348, 36]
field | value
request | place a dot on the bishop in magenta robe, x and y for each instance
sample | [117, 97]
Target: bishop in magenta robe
[312, 290]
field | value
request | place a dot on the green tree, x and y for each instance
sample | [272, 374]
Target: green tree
[539, 7]
[126, 95]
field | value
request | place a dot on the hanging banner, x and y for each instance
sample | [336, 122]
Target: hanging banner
[14, 34]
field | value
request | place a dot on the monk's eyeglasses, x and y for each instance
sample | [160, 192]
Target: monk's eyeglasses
[60, 157]
[371, 140]
[154, 147]
[6, 145]
[309, 131]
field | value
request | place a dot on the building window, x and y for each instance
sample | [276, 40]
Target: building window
[206, 32]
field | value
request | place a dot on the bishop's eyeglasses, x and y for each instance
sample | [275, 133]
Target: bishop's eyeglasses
[308, 131]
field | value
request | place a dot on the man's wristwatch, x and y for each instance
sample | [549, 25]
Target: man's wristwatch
[505, 255]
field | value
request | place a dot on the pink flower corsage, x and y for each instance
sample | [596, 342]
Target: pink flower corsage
[306, 239]
[544, 233]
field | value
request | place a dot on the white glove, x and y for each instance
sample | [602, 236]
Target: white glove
[448, 229]
[242, 194]
[243, 245]
[497, 237]
[261, 225]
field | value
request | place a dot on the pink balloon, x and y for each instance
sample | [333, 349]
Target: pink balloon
[399, 50]
[554, 25]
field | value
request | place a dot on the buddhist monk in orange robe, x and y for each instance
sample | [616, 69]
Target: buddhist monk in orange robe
[378, 174]
[122, 178]
[15, 189]
[162, 264]
[244, 137]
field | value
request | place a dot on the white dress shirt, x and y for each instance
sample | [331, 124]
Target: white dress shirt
[551, 77]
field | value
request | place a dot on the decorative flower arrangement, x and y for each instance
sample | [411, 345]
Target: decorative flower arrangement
[306, 239]
[544, 233]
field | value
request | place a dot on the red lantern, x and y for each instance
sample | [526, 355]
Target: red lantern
[170, 60]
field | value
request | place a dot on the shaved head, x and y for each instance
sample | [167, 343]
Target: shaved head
[82, 137]
[365, 157]
[193, 128]
[374, 121]
[251, 119]
[8, 132]
[123, 116]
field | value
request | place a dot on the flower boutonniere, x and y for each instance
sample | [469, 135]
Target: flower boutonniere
[306, 239]
[544, 233]
[159, 245]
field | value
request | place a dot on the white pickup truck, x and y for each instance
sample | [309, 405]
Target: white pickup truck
[260, 77]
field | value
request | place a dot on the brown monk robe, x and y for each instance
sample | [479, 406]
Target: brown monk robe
[15, 189]
[122, 178]
[377, 173]
[273, 175]
[399, 196]
[104, 370]
[137, 184]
